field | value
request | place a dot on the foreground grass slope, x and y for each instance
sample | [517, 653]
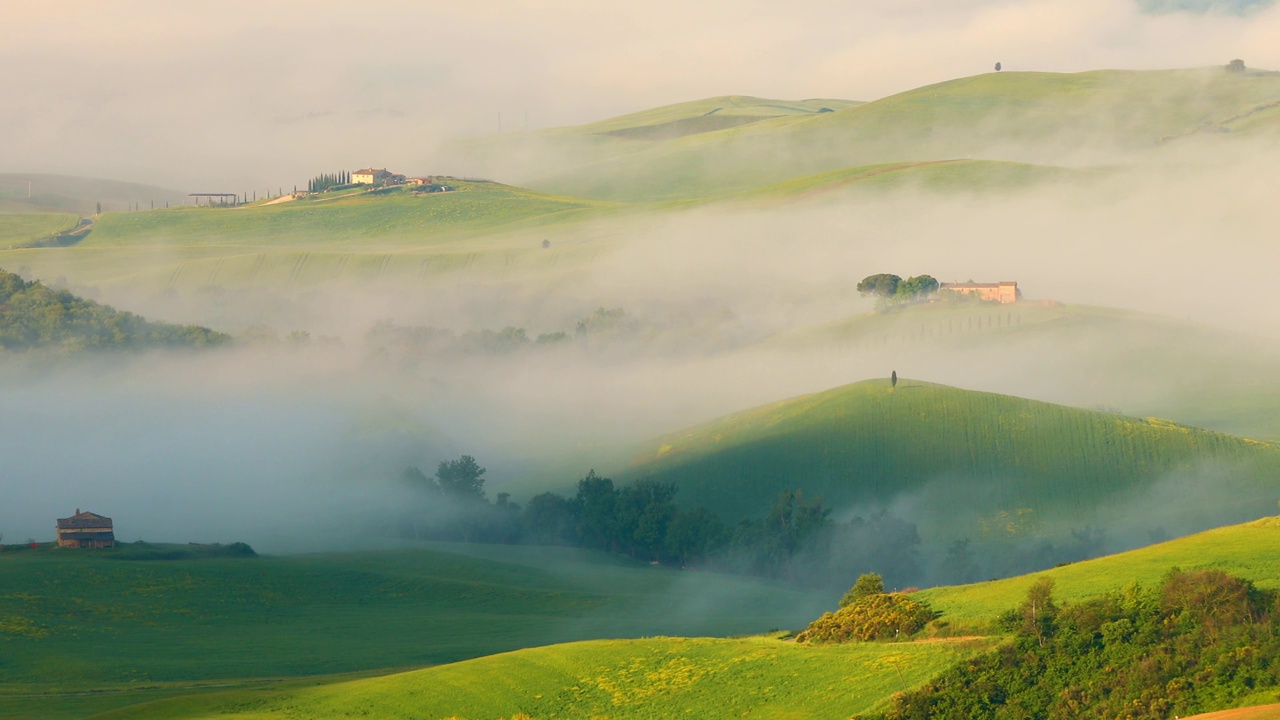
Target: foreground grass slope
[664, 677]
[986, 464]
[1250, 550]
[103, 617]
[651, 678]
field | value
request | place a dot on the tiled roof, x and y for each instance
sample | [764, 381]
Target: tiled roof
[84, 520]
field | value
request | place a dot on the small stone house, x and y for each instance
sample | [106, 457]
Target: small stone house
[86, 530]
[1005, 291]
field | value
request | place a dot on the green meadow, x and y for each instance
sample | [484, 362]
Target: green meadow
[22, 228]
[704, 677]
[102, 620]
[1012, 116]
[634, 679]
[394, 215]
[1250, 550]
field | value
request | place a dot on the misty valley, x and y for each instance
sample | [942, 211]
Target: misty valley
[956, 403]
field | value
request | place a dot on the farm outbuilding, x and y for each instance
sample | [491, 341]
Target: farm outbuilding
[86, 530]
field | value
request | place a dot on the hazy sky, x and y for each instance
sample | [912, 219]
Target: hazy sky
[235, 95]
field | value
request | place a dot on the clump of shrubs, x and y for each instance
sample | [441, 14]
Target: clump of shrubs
[868, 613]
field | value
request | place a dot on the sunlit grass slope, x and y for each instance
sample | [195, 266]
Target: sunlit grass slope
[975, 455]
[483, 227]
[78, 618]
[710, 114]
[393, 216]
[947, 176]
[1226, 381]
[651, 678]
[1250, 550]
[1045, 118]
[20, 228]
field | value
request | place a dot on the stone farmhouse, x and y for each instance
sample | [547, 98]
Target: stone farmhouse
[376, 177]
[1005, 291]
[86, 530]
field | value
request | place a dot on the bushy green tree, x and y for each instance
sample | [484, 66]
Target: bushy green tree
[461, 480]
[917, 288]
[880, 285]
[866, 585]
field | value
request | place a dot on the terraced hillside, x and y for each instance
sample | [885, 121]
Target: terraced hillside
[1087, 118]
[966, 463]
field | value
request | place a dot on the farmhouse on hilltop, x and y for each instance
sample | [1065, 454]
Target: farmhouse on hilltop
[1005, 291]
[376, 177]
[86, 530]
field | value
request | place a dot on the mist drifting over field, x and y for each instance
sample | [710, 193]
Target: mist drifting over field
[275, 443]
[726, 305]
[258, 97]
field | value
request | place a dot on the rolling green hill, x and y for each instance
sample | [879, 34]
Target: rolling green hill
[966, 463]
[1250, 550]
[651, 678]
[1030, 117]
[394, 215]
[703, 677]
[21, 228]
[940, 176]
[1226, 381]
[708, 115]
[484, 227]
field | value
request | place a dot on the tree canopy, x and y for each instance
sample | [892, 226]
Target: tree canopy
[34, 316]
[879, 285]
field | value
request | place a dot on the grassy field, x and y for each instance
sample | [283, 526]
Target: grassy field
[700, 677]
[482, 227]
[20, 228]
[94, 621]
[1030, 117]
[972, 176]
[640, 679]
[973, 459]
[1251, 550]
[395, 215]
